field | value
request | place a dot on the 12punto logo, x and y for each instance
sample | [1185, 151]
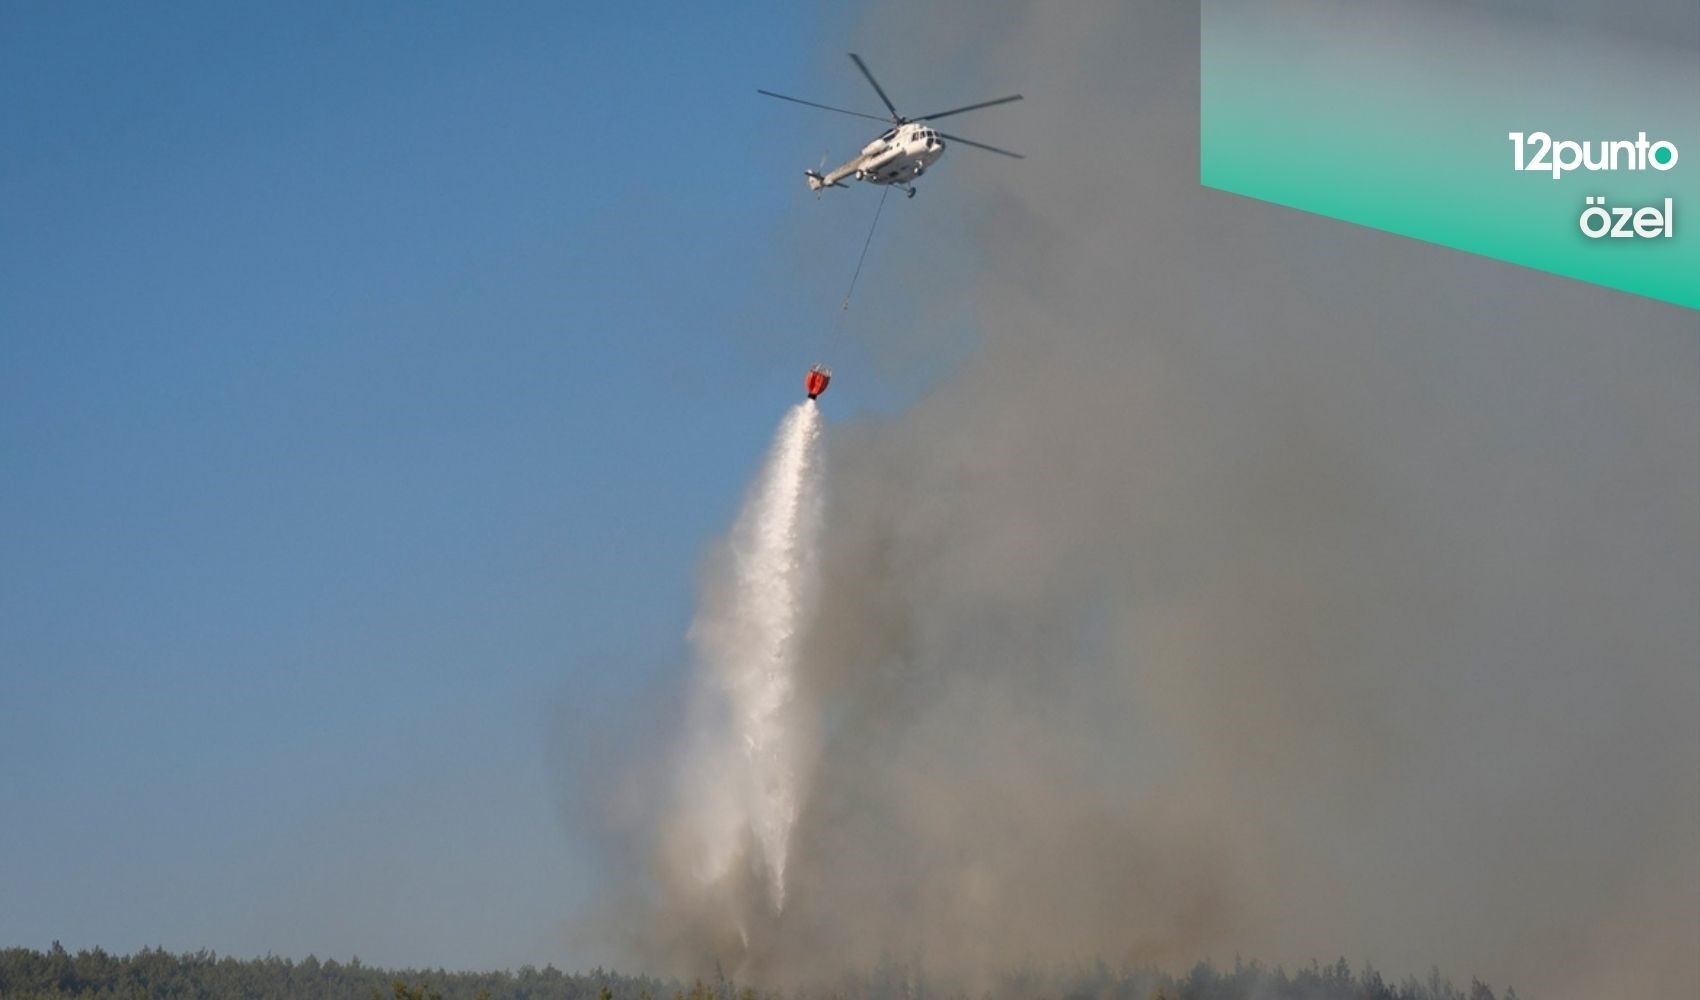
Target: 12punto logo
[1539, 151]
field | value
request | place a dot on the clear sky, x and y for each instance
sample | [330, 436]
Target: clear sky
[372, 378]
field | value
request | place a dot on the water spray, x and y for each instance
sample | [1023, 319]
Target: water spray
[749, 749]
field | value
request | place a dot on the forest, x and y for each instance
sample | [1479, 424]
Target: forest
[58, 974]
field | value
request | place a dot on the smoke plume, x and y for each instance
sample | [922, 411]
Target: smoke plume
[1261, 585]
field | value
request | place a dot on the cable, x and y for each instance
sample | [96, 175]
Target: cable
[884, 190]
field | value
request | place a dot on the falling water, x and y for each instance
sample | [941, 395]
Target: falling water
[748, 751]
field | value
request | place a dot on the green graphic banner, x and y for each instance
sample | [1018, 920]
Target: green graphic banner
[1401, 116]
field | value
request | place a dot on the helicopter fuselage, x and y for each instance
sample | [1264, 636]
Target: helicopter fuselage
[904, 151]
[897, 157]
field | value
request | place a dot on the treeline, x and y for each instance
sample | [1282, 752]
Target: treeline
[152, 974]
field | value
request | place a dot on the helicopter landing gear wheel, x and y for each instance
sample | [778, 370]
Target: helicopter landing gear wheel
[909, 193]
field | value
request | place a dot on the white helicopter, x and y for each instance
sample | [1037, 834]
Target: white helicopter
[903, 152]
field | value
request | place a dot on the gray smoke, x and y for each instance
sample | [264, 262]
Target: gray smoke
[1261, 585]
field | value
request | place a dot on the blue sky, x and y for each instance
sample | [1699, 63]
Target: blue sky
[371, 380]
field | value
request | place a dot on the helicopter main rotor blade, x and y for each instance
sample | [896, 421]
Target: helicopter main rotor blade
[824, 107]
[877, 88]
[981, 145]
[972, 107]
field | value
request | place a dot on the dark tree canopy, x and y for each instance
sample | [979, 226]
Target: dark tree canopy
[56, 974]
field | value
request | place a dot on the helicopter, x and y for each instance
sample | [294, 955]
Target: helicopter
[901, 153]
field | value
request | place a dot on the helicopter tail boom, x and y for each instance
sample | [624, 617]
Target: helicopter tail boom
[817, 180]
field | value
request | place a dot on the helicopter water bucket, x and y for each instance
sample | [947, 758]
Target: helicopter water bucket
[815, 382]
